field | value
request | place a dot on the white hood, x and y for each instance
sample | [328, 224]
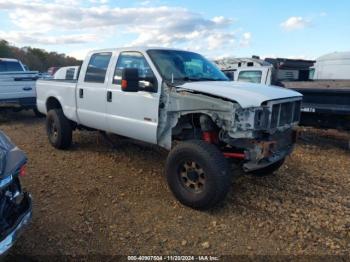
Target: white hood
[246, 94]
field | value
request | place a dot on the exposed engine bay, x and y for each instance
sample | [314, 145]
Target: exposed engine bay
[258, 136]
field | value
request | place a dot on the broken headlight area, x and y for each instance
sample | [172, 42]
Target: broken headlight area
[255, 118]
[271, 116]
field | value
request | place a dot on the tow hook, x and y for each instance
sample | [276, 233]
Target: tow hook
[265, 148]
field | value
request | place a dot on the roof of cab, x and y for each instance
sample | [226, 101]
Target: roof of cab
[9, 59]
[137, 49]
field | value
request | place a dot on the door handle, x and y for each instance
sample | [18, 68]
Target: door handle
[109, 96]
[27, 88]
[81, 93]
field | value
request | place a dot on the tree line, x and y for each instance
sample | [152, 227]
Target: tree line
[36, 59]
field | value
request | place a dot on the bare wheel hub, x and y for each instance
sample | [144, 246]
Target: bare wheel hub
[53, 129]
[192, 176]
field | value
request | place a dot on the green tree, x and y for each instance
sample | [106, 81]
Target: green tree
[5, 49]
[35, 58]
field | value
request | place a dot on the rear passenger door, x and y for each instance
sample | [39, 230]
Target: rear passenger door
[91, 91]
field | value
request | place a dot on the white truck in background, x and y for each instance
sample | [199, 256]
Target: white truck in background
[17, 86]
[67, 73]
[180, 101]
[270, 71]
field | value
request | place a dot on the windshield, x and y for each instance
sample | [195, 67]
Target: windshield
[185, 66]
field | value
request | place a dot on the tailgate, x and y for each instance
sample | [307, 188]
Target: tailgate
[17, 85]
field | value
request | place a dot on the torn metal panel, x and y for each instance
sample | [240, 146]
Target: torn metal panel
[175, 104]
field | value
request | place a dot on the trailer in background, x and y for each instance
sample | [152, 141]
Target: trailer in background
[334, 66]
[326, 102]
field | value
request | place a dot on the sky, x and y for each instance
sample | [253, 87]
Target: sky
[222, 28]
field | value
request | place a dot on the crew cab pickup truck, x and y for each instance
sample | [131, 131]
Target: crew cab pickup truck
[17, 86]
[183, 103]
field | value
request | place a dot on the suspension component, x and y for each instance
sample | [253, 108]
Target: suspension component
[210, 137]
[235, 155]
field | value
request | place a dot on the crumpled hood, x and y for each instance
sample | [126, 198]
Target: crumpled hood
[246, 94]
[11, 157]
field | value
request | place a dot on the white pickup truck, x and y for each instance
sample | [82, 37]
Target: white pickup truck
[17, 86]
[182, 102]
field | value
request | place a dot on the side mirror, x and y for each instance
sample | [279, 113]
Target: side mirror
[130, 80]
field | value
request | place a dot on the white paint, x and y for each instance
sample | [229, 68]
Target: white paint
[334, 66]
[11, 89]
[246, 94]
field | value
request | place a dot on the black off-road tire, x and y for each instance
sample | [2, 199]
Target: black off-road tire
[215, 169]
[268, 171]
[59, 129]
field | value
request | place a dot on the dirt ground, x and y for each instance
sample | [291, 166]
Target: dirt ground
[94, 199]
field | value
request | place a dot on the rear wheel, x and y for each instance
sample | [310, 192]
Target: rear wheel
[198, 174]
[58, 128]
[267, 171]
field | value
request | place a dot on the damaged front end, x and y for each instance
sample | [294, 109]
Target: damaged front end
[265, 134]
[15, 205]
[262, 151]
[256, 136]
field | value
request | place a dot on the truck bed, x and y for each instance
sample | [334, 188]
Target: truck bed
[53, 88]
[325, 102]
[319, 84]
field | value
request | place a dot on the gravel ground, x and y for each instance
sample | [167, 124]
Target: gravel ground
[94, 199]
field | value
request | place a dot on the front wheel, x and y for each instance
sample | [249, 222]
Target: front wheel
[197, 174]
[59, 129]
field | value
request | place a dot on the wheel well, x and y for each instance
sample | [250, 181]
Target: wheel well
[53, 103]
[190, 126]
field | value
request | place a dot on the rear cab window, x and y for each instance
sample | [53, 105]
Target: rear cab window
[10, 66]
[70, 74]
[97, 68]
[250, 76]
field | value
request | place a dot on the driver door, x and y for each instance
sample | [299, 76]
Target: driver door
[133, 114]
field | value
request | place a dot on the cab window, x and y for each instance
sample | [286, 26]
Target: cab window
[250, 76]
[132, 60]
[70, 74]
[97, 68]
